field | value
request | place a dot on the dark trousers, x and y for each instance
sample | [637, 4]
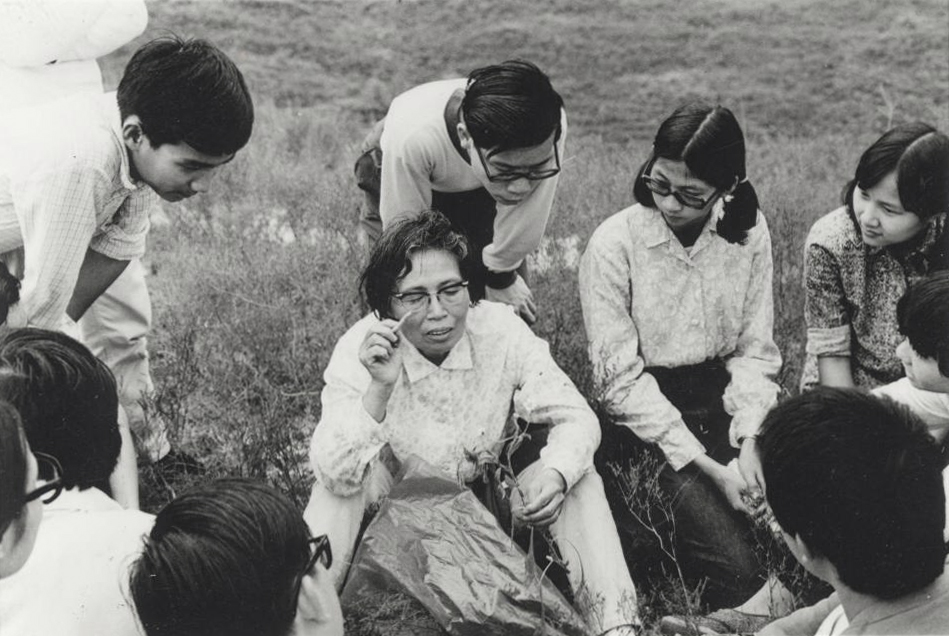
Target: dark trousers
[471, 213]
[713, 545]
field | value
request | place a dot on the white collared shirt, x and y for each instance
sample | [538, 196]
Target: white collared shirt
[65, 187]
[649, 301]
[75, 582]
[448, 414]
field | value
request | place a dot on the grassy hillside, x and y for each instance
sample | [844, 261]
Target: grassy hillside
[253, 283]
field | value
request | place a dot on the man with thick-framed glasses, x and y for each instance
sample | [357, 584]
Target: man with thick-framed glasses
[486, 151]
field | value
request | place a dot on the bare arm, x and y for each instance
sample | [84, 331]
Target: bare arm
[95, 276]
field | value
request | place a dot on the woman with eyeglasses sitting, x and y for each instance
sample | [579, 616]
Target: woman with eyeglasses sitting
[433, 373]
[21, 501]
[678, 309]
[234, 557]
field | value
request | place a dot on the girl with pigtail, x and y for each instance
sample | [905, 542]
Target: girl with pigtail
[677, 303]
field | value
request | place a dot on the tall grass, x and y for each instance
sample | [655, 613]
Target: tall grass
[253, 284]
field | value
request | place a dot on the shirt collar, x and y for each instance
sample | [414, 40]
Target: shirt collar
[656, 232]
[115, 117]
[418, 367]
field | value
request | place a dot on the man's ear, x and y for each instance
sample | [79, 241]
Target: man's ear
[132, 133]
[463, 135]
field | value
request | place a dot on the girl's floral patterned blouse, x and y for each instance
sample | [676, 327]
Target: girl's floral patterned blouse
[649, 301]
[851, 295]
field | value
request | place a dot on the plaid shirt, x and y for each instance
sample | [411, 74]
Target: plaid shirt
[65, 187]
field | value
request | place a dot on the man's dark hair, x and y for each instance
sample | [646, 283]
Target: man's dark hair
[923, 317]
[391, 258]
[187, 91]
[223, 558]
[858, 479]
[67, 401]
[511, 105]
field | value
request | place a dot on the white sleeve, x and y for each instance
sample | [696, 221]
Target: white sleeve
[37, 32]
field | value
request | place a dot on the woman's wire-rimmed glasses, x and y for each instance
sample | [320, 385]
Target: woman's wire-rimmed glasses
[448, 296]
[49, 491]
[322, 552]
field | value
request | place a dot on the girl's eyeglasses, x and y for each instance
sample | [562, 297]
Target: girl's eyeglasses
[449, 295]
[49, 491]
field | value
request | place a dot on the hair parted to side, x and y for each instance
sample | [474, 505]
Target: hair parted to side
[923, 316]
[710, 142]
[391, 258]
[511, 105]
[222, 559]
[9, 291]
[919, 154]
[67, 401]
[858, 479]
[13, 466]
[187, 90]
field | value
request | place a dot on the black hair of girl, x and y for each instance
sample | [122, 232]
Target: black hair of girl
[223, 558]
[9, 291]
[391, 258]
[709, 141]
[919, 155]
[13, 463]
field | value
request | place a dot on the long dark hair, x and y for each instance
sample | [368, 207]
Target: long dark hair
[710, 142]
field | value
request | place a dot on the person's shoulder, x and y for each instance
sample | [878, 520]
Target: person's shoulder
[417, 111]
[835, 231]
[72, 134]
[619, 229]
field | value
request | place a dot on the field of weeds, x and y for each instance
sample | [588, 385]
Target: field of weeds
[253, 283]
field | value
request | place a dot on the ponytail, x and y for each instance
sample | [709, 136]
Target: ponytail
[9, 291]
[741, 213]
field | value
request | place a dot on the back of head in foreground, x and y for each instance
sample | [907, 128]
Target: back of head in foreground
[923, 317]
[225, 558]
[67, 400]
[187, 90]
[857, 479]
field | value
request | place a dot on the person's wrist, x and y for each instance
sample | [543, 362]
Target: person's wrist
[500, 280]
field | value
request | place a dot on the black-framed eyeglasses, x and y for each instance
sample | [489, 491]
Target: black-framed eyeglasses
[49, 491]
[448, 296]
[664, 189]
[321, 552]
[513, 175]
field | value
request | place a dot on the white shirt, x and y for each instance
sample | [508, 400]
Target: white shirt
[648, 301]
[48, 48]
[75, 582]
[449, 414]
[418, 157]
[65, 187]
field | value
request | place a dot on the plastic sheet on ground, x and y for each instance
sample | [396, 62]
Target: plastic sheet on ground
[433, 540]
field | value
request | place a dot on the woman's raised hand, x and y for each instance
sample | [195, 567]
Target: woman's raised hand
[380, 352]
